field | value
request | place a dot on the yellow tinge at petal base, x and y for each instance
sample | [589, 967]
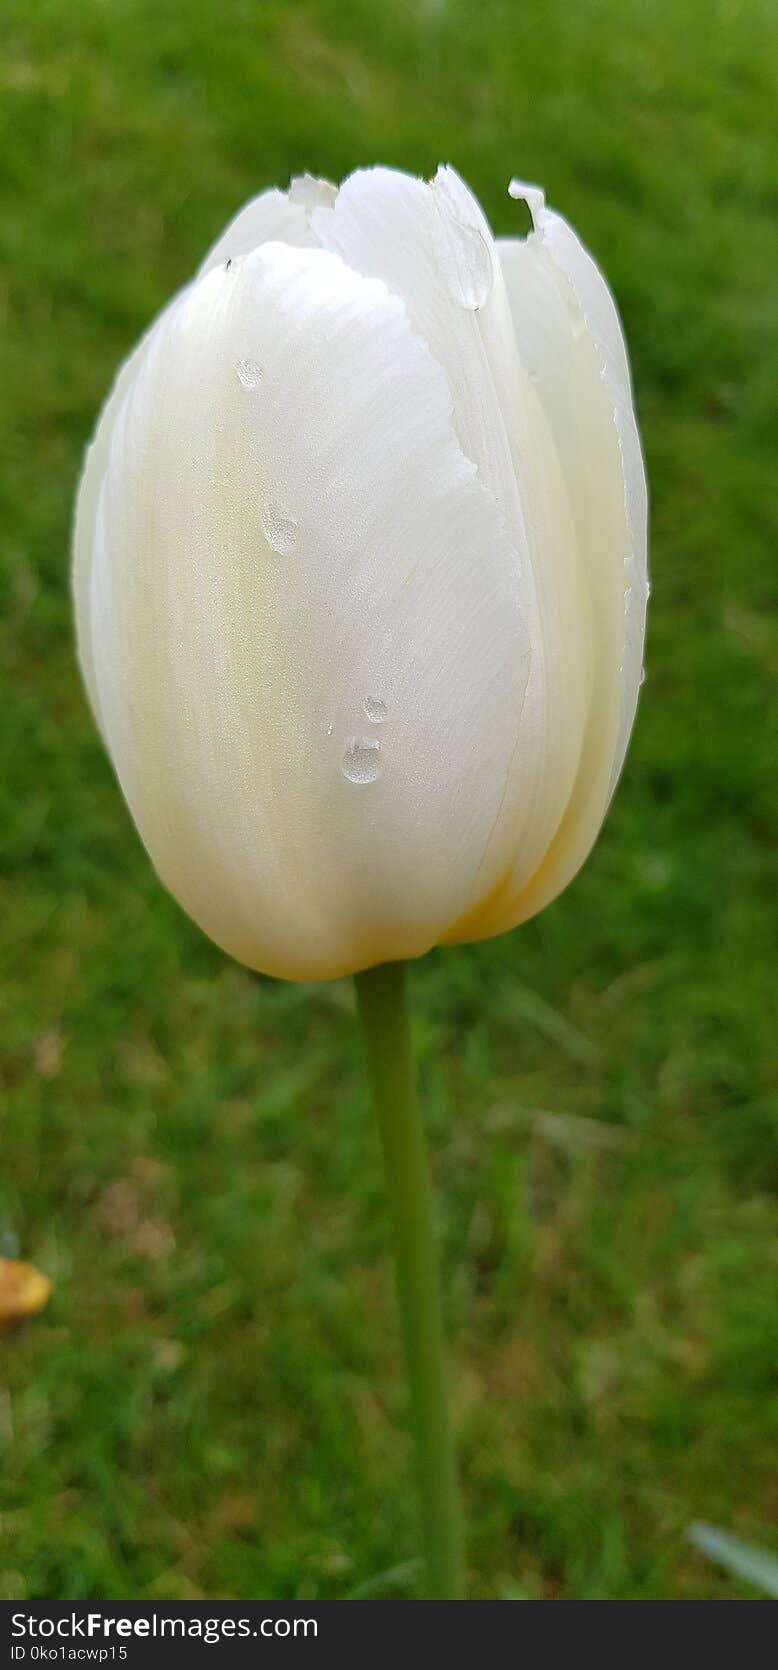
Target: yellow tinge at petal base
[360, 574]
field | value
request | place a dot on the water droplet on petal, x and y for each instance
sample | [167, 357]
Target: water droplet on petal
[279, 529]
[362, 761]
[249, 373]
[464, 261]
[375, 709]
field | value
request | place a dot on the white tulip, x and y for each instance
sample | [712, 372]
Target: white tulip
[360, 573]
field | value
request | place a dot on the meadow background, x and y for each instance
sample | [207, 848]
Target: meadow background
[212, 1403]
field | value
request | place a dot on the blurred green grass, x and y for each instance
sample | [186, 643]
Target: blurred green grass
[212, 1403]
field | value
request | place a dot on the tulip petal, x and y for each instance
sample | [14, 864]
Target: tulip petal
[306, 625]
[273, 216]
[597, 313]
[570, 341]
[432, 244]
[87, 503]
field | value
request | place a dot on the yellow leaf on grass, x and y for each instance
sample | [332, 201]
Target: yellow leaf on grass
[23, 1291]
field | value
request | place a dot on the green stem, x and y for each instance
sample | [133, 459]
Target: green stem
[384, 1014]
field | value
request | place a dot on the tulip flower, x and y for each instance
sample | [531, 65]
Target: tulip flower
[360, 583]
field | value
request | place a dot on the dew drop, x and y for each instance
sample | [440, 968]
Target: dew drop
[279, 529]
[249, 373]
[362, 762]
[464, 262]
[375, 709]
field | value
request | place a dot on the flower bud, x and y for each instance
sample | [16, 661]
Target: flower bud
[360, 573]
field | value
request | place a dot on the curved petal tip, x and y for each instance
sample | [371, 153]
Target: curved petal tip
[534, 197]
